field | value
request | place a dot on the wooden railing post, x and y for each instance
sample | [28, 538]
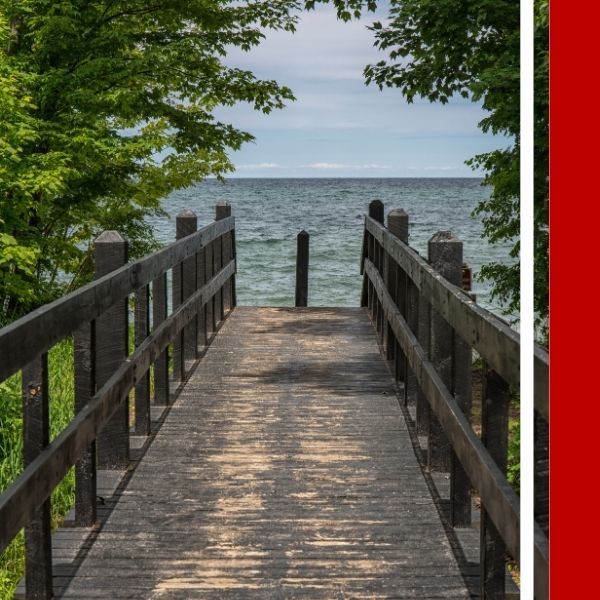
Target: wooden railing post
[218, 264]
[445, 256]
[222, 211]
[376, 212]
[494, 435]
[85, 384]
[541, 472]
[397, 224]
[161, 365]
[233, 282]
[209, 270]
[36, 431]
[202, 278]
[460, 486]
[142, 387]
[110, 253]
[424, 336]
[302, 249]
[185, 346]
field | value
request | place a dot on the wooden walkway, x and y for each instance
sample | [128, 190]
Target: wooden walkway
[285, 469]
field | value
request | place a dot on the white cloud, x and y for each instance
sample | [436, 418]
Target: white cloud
[433, 168]
[263, 165]
[326, 165]
[322, 48]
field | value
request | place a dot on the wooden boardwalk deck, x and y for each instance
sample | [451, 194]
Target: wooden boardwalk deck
[285, 469]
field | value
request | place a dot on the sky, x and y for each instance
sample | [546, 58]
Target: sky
[338, 126]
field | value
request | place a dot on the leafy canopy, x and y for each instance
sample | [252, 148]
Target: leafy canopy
[105, 108]
[440, 48]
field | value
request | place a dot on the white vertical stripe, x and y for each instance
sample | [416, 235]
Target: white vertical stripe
[526, 327]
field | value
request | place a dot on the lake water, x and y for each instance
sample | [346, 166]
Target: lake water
[271, 212]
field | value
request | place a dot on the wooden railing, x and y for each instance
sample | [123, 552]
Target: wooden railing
[429, 327]
[203, 291]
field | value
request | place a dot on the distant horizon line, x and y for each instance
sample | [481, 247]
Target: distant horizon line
[351, 177]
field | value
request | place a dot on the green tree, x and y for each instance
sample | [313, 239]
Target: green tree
[470, 48]
[92, 93]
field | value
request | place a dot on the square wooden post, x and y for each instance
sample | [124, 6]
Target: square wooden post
[110, 253]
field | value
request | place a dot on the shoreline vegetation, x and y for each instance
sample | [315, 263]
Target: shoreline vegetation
[62, 396]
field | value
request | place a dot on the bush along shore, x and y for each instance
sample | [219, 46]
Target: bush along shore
[60, 368]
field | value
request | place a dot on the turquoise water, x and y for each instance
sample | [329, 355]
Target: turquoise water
[271, 212]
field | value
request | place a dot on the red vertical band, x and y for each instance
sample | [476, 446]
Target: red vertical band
[574, 251]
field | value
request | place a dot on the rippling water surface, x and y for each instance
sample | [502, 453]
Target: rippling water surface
[271, 212]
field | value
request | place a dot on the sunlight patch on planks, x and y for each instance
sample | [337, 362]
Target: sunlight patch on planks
[285, 469]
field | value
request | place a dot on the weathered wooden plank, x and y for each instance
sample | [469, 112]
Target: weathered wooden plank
[285, 469]
[35, 333]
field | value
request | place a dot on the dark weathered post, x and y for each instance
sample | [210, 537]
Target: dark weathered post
[376, 209]
[494, 435]
[161, 365]
[541, 472]
[85, 468]
[222, 211]
[460, 486]
[209, 269]
[445, 256]
[376, 212]
[233, 256]
[142, 387]
[36, 431]
[110, 253]
[201, 279]
[398, 226]
[184, 284]
[423, 335]
[302, 269]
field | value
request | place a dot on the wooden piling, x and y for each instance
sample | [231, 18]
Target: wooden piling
[302, 243]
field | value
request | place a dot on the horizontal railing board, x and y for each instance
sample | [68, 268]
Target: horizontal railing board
[35, 333]
[500, 500]
[37, 481]
[489, 335]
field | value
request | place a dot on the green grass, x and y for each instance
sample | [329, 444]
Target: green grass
[60, 360]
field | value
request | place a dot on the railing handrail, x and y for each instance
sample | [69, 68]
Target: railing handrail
[34, 486]
[28, 337]
[496, 493]
[496, 342]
